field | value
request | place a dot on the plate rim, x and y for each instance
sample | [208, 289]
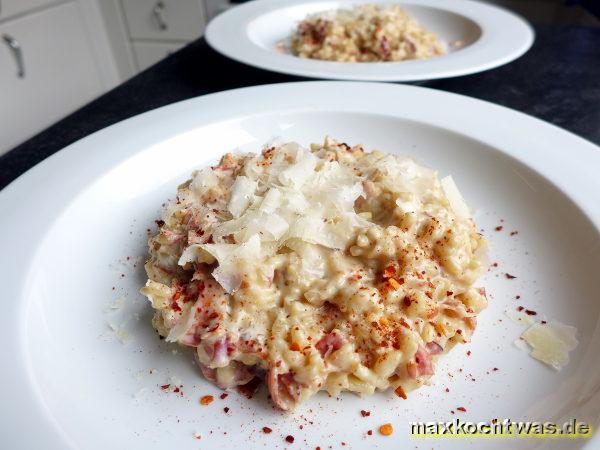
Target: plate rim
[238, 17]
[24, 406]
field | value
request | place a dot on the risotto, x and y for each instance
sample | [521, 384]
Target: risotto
[329, 268]
[367, 33]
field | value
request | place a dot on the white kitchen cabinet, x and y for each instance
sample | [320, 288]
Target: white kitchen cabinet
[165, 20]
[59, 72]
[149, 53]
[9, 8]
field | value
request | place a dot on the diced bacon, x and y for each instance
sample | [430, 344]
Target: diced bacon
[191, 340]
[284, 389]
[434, 348]
[385, 47]
[329, 344]
[411, 45]
[209, 374]
[196, 237]
[422, 365]
[171, 236]
[242, 375]
[220, 351]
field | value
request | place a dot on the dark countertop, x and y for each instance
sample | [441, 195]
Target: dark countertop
[558, 80]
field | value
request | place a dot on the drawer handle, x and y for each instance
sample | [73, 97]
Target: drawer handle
[157, 14]
[17, 52]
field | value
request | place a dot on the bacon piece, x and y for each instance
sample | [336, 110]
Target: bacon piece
[386, 49]
[209, 373]
[434, 348]
[196, 237]
[422, 365]
[243, 375]
[171, 236]
[329, 344]
[220, 351]
[284, 389]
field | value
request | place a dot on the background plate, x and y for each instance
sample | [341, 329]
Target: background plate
[74, 241]
[492, 36]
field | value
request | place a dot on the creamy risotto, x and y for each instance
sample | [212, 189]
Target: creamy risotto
[366, 33]
[329, 268]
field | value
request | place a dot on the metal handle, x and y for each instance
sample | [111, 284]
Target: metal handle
[17, 52]
[157, 14]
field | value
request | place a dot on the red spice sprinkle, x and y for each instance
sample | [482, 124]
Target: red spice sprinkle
[498, 228]
[518, 297]
[447, 390]
[529, 312]
[495, 369]
[449, 293]
[223, 396]
[544, 322]
[495, 264]
[461, 408]
[509, 276]
[206, 400]
[159, 223]
[520, 308]
[289, 438]
[164, 387]
[512, 233]
[226, 409]
[468, 352]
[365, 413]
[267, 430]
[370, 432]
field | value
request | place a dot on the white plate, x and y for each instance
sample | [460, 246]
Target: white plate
[70, 223]
[250, 33]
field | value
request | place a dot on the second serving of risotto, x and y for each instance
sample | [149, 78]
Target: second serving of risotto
[366, 33]
[329, 268]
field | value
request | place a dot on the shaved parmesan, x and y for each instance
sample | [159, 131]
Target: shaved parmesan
[343, 197]
[457, 203]
[408, 202]
[203, 179]
[242, 193]
[297, 174]
[185, 322]
[195, 253]
[551, 343]
[271, 201]
[159, 294]
[233, 261]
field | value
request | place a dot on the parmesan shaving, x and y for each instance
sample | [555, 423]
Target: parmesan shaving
[456, 200]
[242, 193]
[551, 343]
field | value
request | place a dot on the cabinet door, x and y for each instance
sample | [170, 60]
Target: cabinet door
[149, 53]
[59, 71]
[9, 8]
[179, 20]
